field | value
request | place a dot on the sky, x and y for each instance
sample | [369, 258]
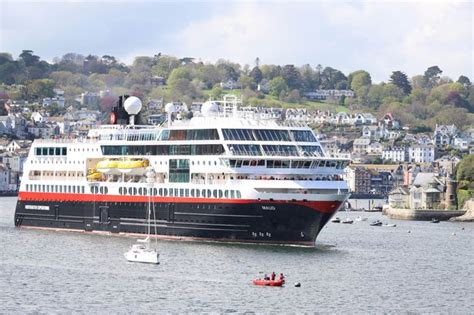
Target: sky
[377, 36]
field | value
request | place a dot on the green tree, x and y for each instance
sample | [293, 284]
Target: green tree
[291, 76]
[331, 77]
[178, 74]
[164, 64]
[217, 92]
[465, 169]
[359, 78]
[41, 88]
[270, 72]
[7, 72]
[400, 79]
[308, 77]
[432, 76]
[246, 81]
[256, 74]
[277, 86]
[28, 58]
[464, 81]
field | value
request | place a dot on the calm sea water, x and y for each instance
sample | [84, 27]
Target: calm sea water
[354, 269]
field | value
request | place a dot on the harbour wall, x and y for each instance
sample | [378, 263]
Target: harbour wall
[366, 202]
[421, 214]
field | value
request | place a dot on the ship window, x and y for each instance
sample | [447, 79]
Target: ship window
[160, 192]
[220, 193]
[208, 193]
[237, 193]
[245, 149]
[214, 193]
[192, 193]
[280, 150]
[198, 193]
[165, 135]
[303, 136]
[226, 194]
[232, 194]
[311, 150]
[134, 191]
[181, 192]
[155, 191]
[186, 192]
[165, 192]
[179, 171]
[45, 151]
[272, 135]
[238, 134]
[140, 191]
[171, 192]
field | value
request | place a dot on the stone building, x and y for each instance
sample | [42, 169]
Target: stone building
[428, 191]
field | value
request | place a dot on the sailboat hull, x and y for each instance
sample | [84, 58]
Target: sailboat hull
[145, 256]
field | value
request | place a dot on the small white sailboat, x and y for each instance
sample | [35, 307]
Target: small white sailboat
[143, 251]
[360, 219]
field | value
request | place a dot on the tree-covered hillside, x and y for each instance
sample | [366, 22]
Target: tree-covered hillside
[421, 101]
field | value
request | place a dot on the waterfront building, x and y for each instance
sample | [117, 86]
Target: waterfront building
[395, 154]
[421, 153]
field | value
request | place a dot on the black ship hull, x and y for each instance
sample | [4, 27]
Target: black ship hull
[277, 222]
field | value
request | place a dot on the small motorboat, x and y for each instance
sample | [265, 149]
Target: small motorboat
[434, 220]
[336, 220]
[269, 283]
[360, 219]
[347, 221]
[376, 223]
[389, 225]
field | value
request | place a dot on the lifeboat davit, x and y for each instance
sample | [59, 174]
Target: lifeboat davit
[269, 283]
[133, 167]
[108, 167]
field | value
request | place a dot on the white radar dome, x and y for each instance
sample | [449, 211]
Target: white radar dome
[170, 108]
[132, 105]
[209, 108]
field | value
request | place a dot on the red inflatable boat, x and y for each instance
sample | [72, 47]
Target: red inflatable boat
[271, 283]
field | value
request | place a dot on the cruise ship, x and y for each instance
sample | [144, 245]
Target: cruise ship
[227, 174]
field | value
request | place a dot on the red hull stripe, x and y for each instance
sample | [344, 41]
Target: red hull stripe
[321, 206]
